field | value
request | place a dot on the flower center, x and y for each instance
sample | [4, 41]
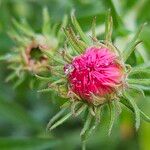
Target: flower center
[36, 54]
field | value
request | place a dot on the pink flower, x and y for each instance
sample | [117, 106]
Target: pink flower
[97, 72]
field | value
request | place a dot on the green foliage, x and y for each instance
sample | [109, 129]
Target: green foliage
[25, 113]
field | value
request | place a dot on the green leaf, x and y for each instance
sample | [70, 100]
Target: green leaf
[60, 33]
[143, 115]
[144, 88]
[11, 76]
[112, 116]
[57, 116]
[85, 131]
[144, 82]
[55, 59]
[139, 70]
[27, 144]
[136, 109]
[5, 57]
[78, 28]
[42, 78]
[141, 66]
[79, 45]
[138, 89]
[45, 90]
[61, 121]
[116, 18]
[46, 29]
[131, 46]
[71, 40]
[23, 28]
[108, 27]
[94, 28]
[19, 81]
[81, 109]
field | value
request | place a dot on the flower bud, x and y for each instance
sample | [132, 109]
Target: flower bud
[95, 72]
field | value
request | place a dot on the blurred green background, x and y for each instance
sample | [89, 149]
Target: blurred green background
[24, 113]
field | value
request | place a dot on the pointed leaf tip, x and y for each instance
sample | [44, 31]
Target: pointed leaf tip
[132, 45]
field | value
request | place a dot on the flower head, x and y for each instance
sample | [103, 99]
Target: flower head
[29, 54]
[97, 71]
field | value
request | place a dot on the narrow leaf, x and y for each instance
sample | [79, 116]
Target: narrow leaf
[143, 115]
[108, 27]
[135, 107]
[57, 116]
[139, 90]
[78, 28]
[62, 120]
[142, 87]
[51, 56]
[72, 42]
[42, 78]
[11, 76]
[86, 128]
[142, 66]
[45, 90]
[81, 109]
[23, 28]
[139, 70]
[46, 22]
[131, 46]
[19, 82]
[60, 33]
[112, 116]
[144, 82]
[94, 28]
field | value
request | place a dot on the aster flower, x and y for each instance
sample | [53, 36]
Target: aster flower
[94, 74]
[28, 56]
